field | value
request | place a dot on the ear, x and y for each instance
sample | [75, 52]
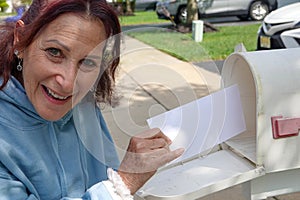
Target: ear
[19, 24]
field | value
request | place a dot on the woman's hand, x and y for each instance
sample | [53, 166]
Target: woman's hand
[145, 154]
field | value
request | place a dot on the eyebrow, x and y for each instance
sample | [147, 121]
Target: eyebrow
[94, 57]
[68, 49]
[59, 43]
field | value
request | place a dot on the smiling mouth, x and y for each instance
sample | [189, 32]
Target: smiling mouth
[53, 95]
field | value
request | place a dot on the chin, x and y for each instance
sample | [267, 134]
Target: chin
[54, 117]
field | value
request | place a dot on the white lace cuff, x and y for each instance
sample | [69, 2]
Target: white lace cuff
[116, 186]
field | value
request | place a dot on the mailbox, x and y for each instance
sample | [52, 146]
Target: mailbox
[266, 157]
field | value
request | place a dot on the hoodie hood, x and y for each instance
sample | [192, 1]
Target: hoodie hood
[19, 109]
[35, 152]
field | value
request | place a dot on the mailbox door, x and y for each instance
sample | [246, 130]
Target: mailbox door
[200, 177]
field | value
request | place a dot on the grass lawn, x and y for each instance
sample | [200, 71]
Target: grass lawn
[3, 14]
[221, 44]
[215, 45]
[143, 17]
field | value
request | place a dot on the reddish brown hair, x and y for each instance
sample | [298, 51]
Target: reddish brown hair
[39, 15]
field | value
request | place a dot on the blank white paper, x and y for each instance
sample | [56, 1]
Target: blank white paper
[200, 125]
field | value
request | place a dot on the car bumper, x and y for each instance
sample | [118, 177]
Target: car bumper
[265, 42]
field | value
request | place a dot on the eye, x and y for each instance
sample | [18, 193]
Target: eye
[54, 52]
[88, 64]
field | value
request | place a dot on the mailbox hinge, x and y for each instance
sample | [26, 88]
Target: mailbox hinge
[285, 127]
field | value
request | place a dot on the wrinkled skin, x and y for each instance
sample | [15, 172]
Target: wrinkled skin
[62, 61]
[59, 68]
[145, 154]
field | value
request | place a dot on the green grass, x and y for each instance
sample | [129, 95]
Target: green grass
[3, 14]
[142, 17]
[221, 44]
[177, 44]
[215, 45]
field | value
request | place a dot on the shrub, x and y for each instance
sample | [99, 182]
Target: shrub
[3, 5]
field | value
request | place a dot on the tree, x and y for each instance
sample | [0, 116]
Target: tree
[192, 11]
[128, 8]
[194, 7]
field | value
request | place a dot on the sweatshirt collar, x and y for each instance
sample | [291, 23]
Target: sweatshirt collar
[16, 94]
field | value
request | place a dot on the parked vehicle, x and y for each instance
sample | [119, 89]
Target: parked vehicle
[281, 3]
[244, 9]
[280, 29]
[138, 5]
[145, 4]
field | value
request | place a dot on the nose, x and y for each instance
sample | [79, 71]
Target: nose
[66, 77]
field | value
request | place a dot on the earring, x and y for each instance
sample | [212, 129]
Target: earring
[92, 89]
[19, 66]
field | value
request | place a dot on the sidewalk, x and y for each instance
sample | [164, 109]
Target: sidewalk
[151, 82]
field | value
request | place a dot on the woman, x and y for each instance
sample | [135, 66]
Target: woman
[57, 61]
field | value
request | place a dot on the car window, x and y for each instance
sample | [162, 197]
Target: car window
[282, 3]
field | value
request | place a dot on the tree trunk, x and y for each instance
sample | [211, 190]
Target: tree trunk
[192, 14]
[192, 11]
[128, 8]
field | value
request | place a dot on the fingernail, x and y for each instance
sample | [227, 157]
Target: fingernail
[169, 142]
[180, 151]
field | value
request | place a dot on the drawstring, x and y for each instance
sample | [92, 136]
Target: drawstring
[54, 144]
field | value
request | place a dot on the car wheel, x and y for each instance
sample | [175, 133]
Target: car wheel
[258, 10]
[181, 15]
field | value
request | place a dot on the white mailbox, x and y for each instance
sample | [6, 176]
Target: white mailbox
[266, 157]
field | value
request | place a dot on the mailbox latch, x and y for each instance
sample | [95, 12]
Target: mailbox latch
[285, 127]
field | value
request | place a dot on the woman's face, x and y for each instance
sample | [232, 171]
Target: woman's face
[62, 64]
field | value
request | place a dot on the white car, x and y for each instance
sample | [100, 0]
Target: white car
[280, 29]
[139, 5]
[244, 9]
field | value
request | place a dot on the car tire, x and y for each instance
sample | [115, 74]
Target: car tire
[181, 15]
[258, 10]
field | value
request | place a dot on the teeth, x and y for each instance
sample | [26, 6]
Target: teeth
[56, 96]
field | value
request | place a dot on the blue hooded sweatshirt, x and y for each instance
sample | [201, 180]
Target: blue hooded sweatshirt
[49, 160]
